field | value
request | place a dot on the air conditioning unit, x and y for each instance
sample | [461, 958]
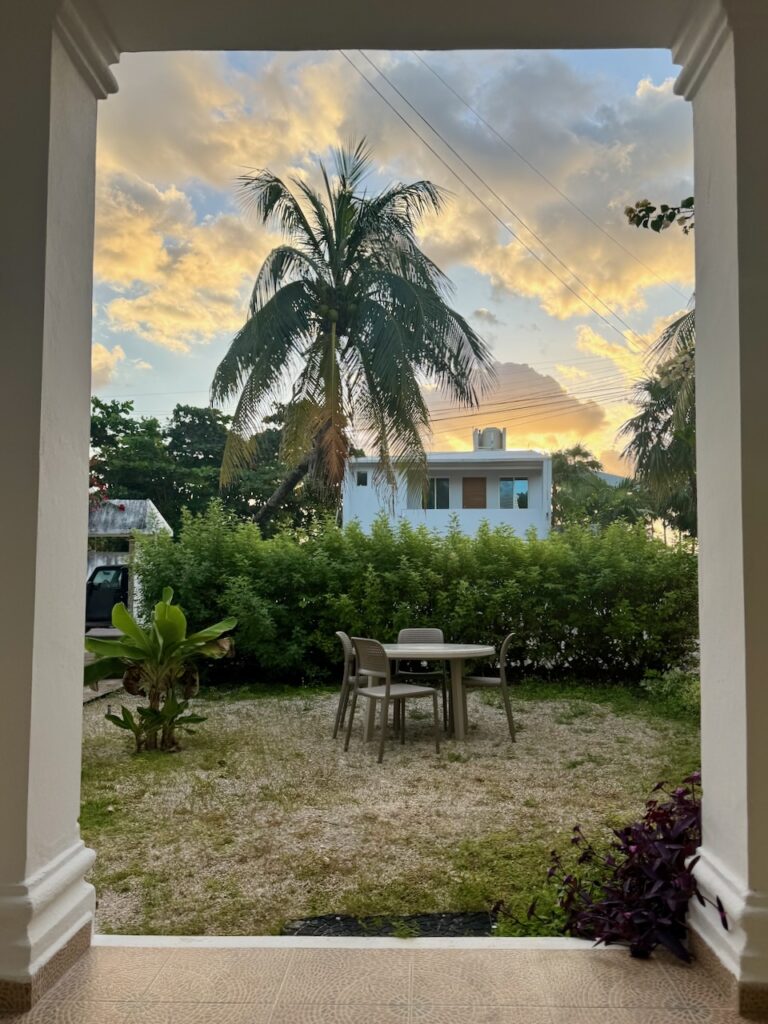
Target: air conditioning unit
[490, 439]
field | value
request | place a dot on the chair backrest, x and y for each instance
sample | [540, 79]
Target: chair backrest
[372, 659]
[346, 643]
[503, 655]
[427, 635]
[349, 654]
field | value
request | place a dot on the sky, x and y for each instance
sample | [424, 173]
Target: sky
[565, 292]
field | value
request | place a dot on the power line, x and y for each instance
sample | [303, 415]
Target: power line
[544, 177]
[509, 209]
[556, 388]
[479, 199]
[550, 415]
[540, 407]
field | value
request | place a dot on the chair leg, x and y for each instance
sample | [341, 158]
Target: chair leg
[351, 718]
[382, 740]
[341, 709]
[402, 721]
[508, 709]
[464, 707]
[436, 717]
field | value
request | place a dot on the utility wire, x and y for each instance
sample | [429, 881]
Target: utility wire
[535, 169]
[526, 420]
[537, 407]
[504, 203]
[479, 199]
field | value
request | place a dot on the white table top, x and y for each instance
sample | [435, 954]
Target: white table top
[438, 652]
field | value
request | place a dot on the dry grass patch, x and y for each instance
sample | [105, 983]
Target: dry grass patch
[264, 818]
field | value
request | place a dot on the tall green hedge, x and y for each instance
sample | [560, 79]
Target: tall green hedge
[611, 604]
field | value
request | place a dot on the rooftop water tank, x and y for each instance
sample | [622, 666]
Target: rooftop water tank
[490, 439]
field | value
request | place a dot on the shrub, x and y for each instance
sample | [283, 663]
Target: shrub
[677, 689]
[159, 663]
[608, 605]
[637, 893]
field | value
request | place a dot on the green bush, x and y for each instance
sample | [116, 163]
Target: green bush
[613, 604]
[677, 689]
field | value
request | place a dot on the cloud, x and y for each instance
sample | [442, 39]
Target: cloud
[104, 363]
[487, 316]
[178, 280]
[535, 408]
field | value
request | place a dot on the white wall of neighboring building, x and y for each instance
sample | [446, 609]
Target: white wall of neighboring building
[364, 502]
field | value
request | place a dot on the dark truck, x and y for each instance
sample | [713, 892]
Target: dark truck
[107, 586]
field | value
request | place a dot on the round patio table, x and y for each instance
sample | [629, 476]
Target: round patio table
[455, 655]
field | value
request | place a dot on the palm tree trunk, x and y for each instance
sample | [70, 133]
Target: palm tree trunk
[286, 487]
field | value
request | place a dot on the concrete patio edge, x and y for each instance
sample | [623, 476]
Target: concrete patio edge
[336, 942]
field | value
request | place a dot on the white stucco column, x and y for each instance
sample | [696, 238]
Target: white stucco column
[725, 75]
[50, 85]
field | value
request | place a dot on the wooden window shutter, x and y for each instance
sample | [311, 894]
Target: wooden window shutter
[473, 492]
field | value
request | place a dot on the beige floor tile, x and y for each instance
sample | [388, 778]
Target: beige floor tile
[48, 1011]
[330, 1013]
[608, 978]
[112, 975]
[200, 1013]
[697, 988]
[376, 977]
[482, 978]
[611, 1015]
[220, 976]
[481, 1015]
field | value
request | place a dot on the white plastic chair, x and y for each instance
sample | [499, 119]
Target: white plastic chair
[373, 663]
[348, 680]
[424, 635]
[495, 682]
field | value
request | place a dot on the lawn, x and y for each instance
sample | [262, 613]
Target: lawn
[263, 818]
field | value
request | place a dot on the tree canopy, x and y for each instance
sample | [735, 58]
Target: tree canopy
[350, 317]
[176, 465]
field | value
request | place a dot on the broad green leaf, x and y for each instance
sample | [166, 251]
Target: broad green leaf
[212, 632]
[170, 623]
[120, 723]
[167, 595]
[125, 622]
[114, 649]
[105, 668]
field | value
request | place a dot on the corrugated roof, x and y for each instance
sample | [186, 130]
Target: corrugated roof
[121, 517]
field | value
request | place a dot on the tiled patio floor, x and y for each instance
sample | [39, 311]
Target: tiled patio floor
[138, 985]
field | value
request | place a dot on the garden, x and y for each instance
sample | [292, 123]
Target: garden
[258, 818]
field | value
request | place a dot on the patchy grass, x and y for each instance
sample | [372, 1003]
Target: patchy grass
[263, 818]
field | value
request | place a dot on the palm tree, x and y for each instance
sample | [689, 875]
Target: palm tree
[352, 314]
[662, 436]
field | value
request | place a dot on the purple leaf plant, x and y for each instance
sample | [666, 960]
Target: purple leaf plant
[637, 893]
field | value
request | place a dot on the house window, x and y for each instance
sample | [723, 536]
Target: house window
[362, 478]
[473, 492]
[438, 490]
[513, 492]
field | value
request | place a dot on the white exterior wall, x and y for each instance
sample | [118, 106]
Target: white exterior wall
[365, 503]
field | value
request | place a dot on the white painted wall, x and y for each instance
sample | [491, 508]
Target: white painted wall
[363, 504]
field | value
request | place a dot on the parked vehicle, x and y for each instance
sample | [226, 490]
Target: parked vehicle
[107, 586]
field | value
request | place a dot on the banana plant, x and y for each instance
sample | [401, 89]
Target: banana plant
[157, 662]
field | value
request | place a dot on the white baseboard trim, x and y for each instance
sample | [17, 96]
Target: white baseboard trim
[743, 948]
[40, 915]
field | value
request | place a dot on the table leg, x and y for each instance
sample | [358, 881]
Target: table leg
[457, 695]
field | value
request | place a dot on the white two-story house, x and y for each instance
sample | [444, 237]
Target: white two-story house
[488, 484]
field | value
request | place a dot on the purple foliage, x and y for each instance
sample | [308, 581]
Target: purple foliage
[637, 894]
